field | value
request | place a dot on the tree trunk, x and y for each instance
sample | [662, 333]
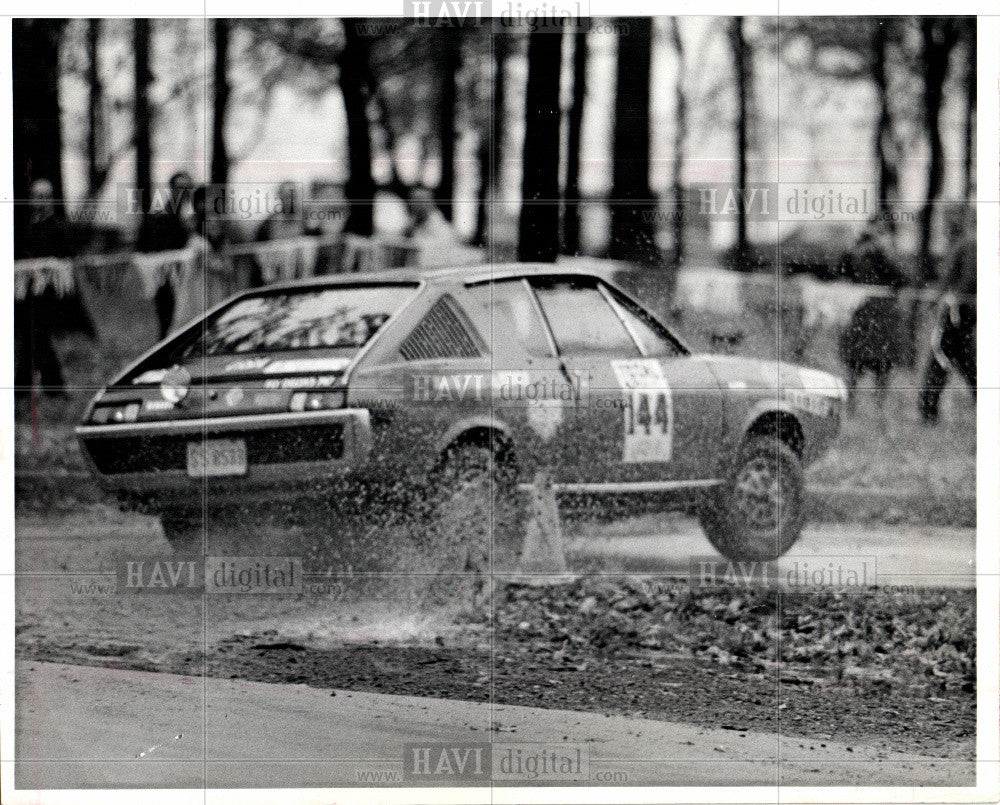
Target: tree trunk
[355, 84]
[571, 216]
[449, 62]
[938, 39]
[742, 67]
[538, 237]
[37, 135]
[220, 100]
[633, 208]
[969, 129]
[482, 199]
[141, 115]
[886, 150]
[680, 135]
[491, 143]
[97, 166]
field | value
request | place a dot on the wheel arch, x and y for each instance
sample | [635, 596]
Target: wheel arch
[480, 431]
[777, 420]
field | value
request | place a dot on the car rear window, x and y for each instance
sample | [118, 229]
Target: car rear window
[303, 318]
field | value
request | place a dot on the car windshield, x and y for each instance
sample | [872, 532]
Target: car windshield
[306, 318]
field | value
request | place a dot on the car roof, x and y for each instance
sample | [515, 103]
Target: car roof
[464, 275]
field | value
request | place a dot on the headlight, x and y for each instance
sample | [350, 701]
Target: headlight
[317, 400]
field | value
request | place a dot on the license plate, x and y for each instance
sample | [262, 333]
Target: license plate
[217, 457]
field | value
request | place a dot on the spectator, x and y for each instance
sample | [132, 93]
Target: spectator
[427, 224]
[871, 343]
[953, 343]
[288, 220]
[45, 235]
[872, 260]
[210, 279]
[164, 230]
[215, 227]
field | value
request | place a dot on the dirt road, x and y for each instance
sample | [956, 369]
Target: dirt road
[96, 727]
[885, 673]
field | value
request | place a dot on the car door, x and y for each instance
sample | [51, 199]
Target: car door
[651, 411]
[528, 383]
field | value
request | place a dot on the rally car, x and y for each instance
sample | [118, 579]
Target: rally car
[297, 393]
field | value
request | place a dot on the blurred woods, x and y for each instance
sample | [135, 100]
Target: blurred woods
[588, 140]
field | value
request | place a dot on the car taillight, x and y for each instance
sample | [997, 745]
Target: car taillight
[105, 414]
[317, 400]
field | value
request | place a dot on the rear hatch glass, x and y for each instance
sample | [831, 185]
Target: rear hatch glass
[318, 318]
[330, 321]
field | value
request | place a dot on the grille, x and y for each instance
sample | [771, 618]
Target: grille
[265, 446]
[440, 334]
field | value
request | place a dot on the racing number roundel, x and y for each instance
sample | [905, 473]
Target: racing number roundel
[648, 411]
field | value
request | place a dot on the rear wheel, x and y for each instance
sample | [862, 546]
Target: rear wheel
[758, 513]
[474, 515]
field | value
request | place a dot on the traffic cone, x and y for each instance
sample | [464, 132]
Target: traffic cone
[543, 550]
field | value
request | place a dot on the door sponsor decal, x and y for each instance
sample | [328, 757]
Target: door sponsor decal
[542, 397]
[648, 412]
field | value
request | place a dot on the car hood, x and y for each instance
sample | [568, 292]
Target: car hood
[738, 372]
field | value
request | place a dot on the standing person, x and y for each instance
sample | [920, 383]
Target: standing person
[164, 230]
[209, 278]
[45, 235]
[872, 259]
[288, 220]
[426, 222]
[208, 222]
[953, 343]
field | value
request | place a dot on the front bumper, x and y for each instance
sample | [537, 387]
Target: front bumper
[288, 454]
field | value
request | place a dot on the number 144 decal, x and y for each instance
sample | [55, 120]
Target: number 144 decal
[648, 411]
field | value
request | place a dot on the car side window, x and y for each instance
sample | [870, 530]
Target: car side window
[505, 309]
[580, 318]
[441, 333]
[652, 340]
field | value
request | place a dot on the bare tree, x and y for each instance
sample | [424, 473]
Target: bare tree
[680, 135]
[97, 164]
[860, 52]
[886, 144]
[538, 236]
[491, 140]
[36, 115]
[335, 52]
[571, 216]
[355, 84]
[969, 128]
[448, 58]
[938, 38]
[744, 80]
[220, 101]
[141, 114]
[633, 208]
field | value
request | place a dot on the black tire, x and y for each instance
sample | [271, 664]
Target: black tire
[474, 514]
[758, 514]
[183, 530]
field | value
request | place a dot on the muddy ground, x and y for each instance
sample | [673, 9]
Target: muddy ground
[878, 668]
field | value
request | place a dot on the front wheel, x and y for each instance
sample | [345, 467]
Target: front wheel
[758, 513]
